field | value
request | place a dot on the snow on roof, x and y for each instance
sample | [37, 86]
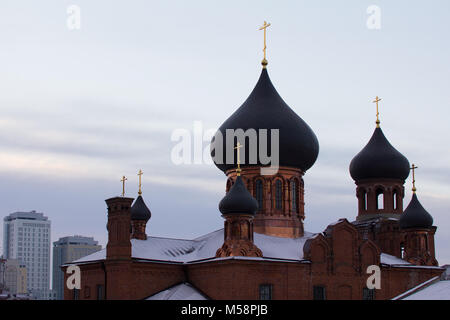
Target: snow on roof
[392, 260]
[436, 291]
[205, 247]
[182, 291]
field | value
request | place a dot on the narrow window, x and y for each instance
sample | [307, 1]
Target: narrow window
[76, 294]
[265, 292]
[294, 198]
[319, 293]
[278, 195]
[368, 294]
[402, 250]
[395, 200]
[380, 199]
[100, 292]
[259, 193]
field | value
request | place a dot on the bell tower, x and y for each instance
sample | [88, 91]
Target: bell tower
[379, 172]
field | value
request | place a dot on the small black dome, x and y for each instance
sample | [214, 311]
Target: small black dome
[379, 159]
[265, 109]
[238, 200]
[139, 211]
[415, 216]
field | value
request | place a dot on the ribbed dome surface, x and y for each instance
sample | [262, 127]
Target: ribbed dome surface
[415, 216]
[379, 159]
[139, 210]
[238, 200]
[265, 109]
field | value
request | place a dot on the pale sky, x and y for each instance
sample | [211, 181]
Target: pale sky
[81, 108]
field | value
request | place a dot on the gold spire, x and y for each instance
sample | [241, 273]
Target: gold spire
[140, 173]
[123, 185]
[378, 119]
[238, 147]
[413, 168]
[264, 27]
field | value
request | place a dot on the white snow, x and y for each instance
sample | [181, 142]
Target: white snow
[183, 291]
[205, 247]
[392, 260]
[436, 291]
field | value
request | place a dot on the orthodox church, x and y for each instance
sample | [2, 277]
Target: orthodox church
[263, 251]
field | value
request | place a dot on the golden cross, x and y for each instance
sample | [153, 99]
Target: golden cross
[378, 120]
[264, 27]
[140, 173]
[413, 168]
[123, 185]
[238, 148]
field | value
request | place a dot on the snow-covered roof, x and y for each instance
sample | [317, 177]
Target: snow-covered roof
[205, 247]
[392, 260]
[182, 291]
[437, 291]
[432, 289]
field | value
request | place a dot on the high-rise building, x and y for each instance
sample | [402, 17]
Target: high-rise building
[68, 249]
[26, 237]
[14, 278]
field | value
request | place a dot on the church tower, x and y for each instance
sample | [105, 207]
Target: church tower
[238, 207]
[418, 232]
[140, 214]
[379, 172]
[272, 135]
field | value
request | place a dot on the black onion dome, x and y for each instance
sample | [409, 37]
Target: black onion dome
[139, 211]
[238, 200]
[379, 159]
[265, 109]
[415, 216]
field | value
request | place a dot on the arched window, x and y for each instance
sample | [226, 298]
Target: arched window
[294, 195]
[259, 193]
[402, 250]
[395, 195]
[364, 199]
[380, 199]
[278, 195]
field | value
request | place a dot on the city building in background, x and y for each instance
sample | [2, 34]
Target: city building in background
[68, 249]
[13, 276]
[26, 238]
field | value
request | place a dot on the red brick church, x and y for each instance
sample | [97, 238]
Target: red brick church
[263, 251]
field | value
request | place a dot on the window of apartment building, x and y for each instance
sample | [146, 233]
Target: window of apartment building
[368, 294]
[319, 293]
[265, 292]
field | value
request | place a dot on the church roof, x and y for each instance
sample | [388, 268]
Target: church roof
[139, 210]
[379, 159]
[265, 109]
[415, 215]
[433, 289]
[182, 291]
[238, 200]
[204, 249]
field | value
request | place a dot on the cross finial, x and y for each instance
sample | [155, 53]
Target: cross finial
[378, 119]
[264, 27]
[123, 185]
[238, 148]
[140, 173]
[413, 168]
